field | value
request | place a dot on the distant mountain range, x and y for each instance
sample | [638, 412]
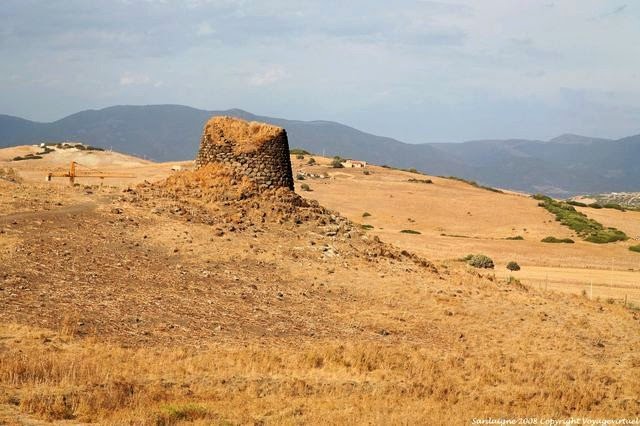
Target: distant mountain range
[564, 166]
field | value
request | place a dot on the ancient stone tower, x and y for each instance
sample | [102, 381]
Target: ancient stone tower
[256, 150]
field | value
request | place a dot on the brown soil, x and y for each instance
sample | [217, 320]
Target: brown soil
[182, 300]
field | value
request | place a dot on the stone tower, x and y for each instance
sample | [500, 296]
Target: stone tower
[257, 150]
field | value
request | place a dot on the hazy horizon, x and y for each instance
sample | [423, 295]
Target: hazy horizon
[420, 71]
[312, 120]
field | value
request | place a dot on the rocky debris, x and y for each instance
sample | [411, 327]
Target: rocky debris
[8, 174]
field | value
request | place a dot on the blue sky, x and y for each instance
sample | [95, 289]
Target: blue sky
[419, 71]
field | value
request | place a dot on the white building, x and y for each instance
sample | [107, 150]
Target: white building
[354, 164]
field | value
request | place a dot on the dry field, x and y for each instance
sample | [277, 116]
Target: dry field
[455, 219]
[162, 305]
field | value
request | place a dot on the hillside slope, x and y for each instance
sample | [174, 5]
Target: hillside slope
[164, 304]
[453, 219]
[567, 165]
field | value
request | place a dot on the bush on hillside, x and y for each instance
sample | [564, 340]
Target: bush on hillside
[513, 266]
[27, 157]
[555, 240]
[410, 231]
[420, 180]
[588, 229]
[609, 235]
[481, 261]
[305, 187]
[336, 163]
[635, 248]
[614, 206]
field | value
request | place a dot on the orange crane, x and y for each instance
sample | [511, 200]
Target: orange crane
[75, 172]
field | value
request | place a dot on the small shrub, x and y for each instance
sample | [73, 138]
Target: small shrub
[420, 180]
[366, 172]
[181, 413]
[513, 266]
[27, 157]
[410, 231]
[614, 206]
[609, 235]
[481, 261]
[336, 163]
[311, 161]
[555, 240]
[300, 176]
[635, 248]
[298, 151]
[366, 226]
[366, 214]
[576, 203]
[45, 150]
[595, 205]
[516, 238]
[513, 281]
[300, 157]
[541, 197]
[305, 187]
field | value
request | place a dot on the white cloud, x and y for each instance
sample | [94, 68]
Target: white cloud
[271, 75]
[135, 79]
[205, 29]
[338, 59]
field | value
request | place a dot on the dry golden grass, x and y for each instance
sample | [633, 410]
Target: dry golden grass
[123, 312]
[456, 219]
[58, 377]
[247, 136]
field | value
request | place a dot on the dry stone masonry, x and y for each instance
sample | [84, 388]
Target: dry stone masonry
[256, 150]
